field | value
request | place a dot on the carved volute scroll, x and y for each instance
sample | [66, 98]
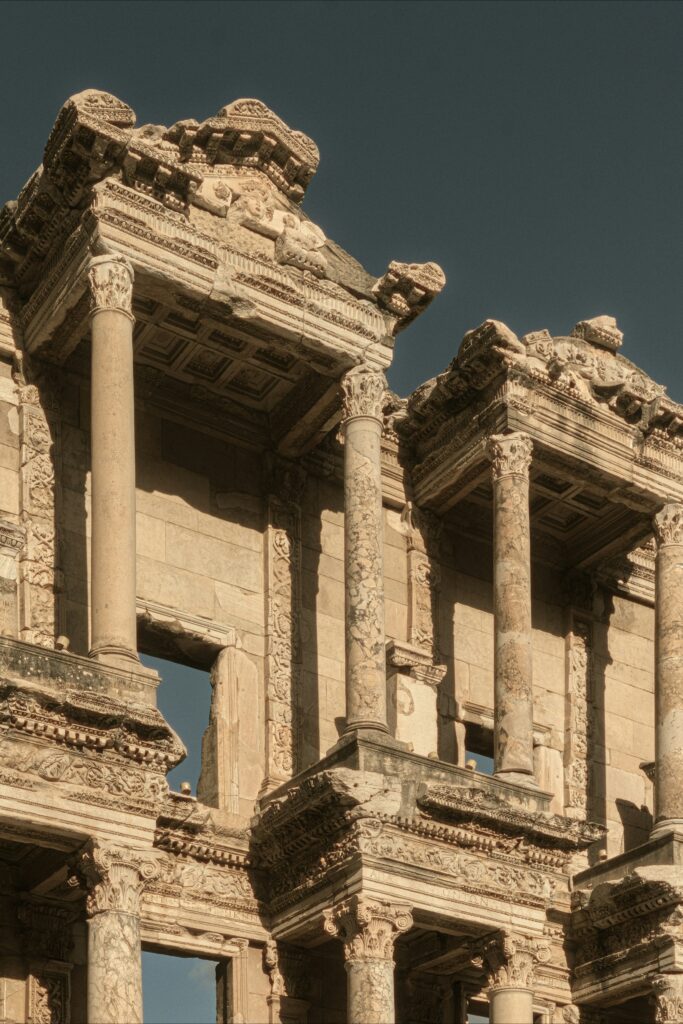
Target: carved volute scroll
[114, 877]
[510, 453]
[668, 525]
[111, 284]
[510, 960]
[668, 998]
[363, 393]
[367, 927]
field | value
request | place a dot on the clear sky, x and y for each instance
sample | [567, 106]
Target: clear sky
[534, 150]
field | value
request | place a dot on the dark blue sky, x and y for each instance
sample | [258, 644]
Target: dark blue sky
[533, 149]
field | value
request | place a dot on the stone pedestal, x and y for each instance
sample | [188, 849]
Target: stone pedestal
[369, 930]
[510, 961]
[366, 700]
[115, 879]
[113, 622]
[513, 722]
[668, 528]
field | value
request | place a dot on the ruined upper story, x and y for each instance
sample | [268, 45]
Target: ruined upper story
[246, 319]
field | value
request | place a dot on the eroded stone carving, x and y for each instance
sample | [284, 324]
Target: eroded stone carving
[668, 525]
[511, 960]
[111, 284]
[668, 998]
[369, 930]
[578, 765]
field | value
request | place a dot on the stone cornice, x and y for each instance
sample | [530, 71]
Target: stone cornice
[476, 805]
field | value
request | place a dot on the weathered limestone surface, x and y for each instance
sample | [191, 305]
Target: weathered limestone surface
[364, 393]
[668, 526]
[369, 930]
[513, 667]
[199, 455]
[113, 461]
[115, 878]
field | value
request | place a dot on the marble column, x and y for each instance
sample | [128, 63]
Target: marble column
[668, 998]
[513, 714]
[510, 961]
[668, 529]
[369, 928]
[115, 879]
[366, 677]
[113, 620]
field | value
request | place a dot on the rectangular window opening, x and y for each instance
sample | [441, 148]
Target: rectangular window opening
[479, 747]
[177, 989]
[184, 699]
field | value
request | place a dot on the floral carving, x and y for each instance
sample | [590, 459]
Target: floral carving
[510, 960]
[510, 453]
[579, 721]
[668, 524]
[368, 928]
[283, 576]
[424, 577]
[114, 877]
[668, 998]
[111, 284]
[363, 393]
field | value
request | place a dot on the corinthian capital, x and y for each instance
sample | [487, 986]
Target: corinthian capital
[368, 928]
[668, 524]
[363, 392]
[111, 284]
[668, 998]
[510, 960]
[114, 877]
[510, 453]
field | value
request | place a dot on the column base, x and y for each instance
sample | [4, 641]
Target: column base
[518, 778]
[666, 827]
[117, 657]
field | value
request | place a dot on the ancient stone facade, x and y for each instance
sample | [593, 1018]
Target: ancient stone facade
[200, 460]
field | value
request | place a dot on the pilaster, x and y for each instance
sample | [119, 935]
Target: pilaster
[283, 618]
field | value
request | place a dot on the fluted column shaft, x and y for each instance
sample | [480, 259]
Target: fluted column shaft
[513, 714]
[115, 880]
[366, 682]
[369, 929]
[113, 620]
[668, 527]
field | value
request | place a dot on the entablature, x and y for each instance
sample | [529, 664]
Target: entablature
[607, 441]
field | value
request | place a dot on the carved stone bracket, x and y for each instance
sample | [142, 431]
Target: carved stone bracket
[111, 284]
[510, 960]
[363, 393]
[368, 928]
